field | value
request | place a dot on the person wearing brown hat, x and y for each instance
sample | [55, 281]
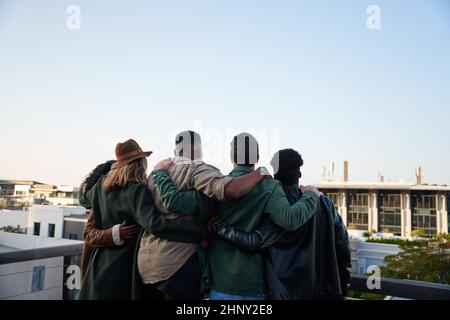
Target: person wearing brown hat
[93, 237]
[122, 195]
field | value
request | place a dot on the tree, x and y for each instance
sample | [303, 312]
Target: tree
[12, 229]
[419, 233]
[430, 263]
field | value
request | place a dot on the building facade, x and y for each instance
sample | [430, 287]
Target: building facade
[18, 194]
[391, 208]
[34, 279]
[47, 221]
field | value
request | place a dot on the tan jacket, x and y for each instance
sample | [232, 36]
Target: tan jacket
[94, 238]
[158, 258]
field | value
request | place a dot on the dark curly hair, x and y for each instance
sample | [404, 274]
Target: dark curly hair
[286, 165]
[95, 175]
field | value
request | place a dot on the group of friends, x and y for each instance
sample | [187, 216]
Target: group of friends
[188, 232]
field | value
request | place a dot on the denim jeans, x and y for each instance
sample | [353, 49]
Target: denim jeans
[216, 295]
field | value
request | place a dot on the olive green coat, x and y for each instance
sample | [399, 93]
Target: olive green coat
[112, 272]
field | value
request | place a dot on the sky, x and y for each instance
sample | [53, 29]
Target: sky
[308, 75]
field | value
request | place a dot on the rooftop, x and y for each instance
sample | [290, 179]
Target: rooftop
[11, 242]
[23, 182]
[382, 185]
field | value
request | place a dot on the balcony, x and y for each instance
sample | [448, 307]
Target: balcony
[71, 256]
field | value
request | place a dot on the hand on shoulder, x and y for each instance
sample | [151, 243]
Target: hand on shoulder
[311, 188]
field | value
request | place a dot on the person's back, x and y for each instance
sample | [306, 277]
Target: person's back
[232, 270]
[308, 263]
[113, 207]
[123, 195]
[304, 264]
[160, 258]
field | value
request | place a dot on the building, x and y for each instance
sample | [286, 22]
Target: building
[391, 209]
[19, 194]
[47, 221]
[31, 278]
[367, 254]
[73, 227]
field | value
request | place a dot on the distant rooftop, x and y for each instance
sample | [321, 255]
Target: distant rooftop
[16, 241]
[24, 182]
[382, 185]
[76, 217]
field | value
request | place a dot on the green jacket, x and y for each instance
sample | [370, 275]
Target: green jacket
[234, 271]
[112, 272]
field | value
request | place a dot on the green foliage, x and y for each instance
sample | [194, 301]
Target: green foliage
[416, 261]
[364, 295]
[418, 233]
[12, 229]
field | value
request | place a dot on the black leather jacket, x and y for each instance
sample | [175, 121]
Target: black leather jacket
[309, 263]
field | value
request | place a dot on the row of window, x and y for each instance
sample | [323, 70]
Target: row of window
[389, 213]
[50, 232]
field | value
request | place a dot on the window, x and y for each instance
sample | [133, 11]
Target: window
[51, 230]
[358, 210]
[424, 212]
[37, 228]
[334, 197]
[37, 283]
[448, 212]
[73, 236]
[333, 194]
[389, 213]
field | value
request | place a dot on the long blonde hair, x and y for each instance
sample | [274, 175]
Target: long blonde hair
[134, 171]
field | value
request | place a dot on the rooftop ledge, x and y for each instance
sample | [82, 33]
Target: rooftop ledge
[408, 289]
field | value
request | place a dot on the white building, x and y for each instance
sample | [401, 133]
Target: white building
[366, 254]
[40, 279]
[16, 194]
[14, 218]
[48, 221]
[44, 220]
[391, 209]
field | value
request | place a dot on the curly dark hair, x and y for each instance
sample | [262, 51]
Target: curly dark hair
[286, 165]
[95, 175]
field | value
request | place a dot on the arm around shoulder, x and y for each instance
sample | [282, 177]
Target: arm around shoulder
[146, 215]
[287, 216]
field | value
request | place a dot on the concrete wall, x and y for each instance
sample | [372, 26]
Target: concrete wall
[365, 254]
[74, 227]
[16, 280]
[26, 242]
[63, 201]
[46, 215]
[14, 218]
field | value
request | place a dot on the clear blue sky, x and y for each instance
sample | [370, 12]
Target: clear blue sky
[310, 71]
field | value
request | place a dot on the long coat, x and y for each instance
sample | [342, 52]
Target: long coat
[309, 263]
[112, 272]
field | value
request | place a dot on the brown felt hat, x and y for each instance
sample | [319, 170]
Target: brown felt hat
[127, 152]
